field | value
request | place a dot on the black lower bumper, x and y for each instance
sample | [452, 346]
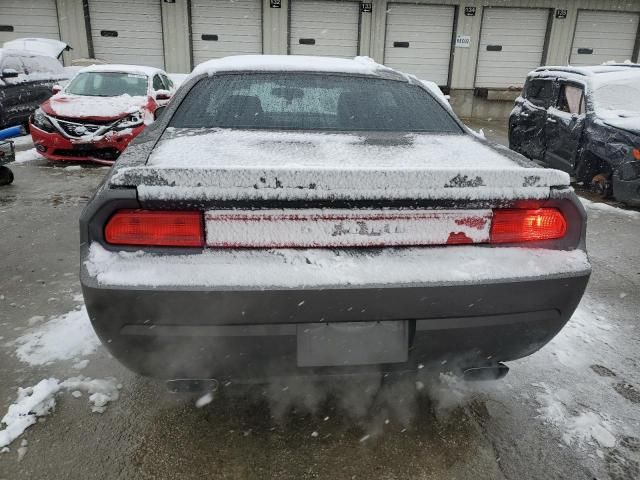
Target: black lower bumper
[253, 334]
[627, 191]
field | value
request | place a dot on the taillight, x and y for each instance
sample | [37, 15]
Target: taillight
[524, 225]
[155, 228]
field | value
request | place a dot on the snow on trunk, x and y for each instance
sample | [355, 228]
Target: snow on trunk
[266, 165]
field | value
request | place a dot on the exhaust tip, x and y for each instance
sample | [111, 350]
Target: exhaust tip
[485, 373]
[192, 385]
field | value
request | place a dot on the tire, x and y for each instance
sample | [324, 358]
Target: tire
[6, 176]
[601, 185]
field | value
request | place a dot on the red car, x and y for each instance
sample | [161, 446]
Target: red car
[99, 112]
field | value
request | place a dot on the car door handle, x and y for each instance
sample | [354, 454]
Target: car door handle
[551, 120]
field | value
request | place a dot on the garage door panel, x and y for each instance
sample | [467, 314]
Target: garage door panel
[428, 30]
[29, 18]
[333, 26]
[237, 25]
[611, 36]
[138, 24]
[520, 33]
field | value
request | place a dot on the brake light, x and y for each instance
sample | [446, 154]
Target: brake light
[523, 225]
[636, 153]
[155, 228]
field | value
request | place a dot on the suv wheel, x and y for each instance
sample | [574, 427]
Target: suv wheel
[601, 184]
[6, 175]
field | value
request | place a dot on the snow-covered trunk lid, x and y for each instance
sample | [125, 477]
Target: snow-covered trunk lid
[221, 164]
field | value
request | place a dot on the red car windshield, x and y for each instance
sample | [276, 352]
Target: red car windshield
[108, 84]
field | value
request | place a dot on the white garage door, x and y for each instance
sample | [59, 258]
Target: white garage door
[327, 28]
[604, 36]
[511, 45]
[28, 18]
[127, 31]
[220, 28]
[418, 40]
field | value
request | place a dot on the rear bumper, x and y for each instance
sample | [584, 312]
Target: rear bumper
[56, 147]
[242, 332]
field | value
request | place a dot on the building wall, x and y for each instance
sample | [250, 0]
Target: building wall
[179, 58]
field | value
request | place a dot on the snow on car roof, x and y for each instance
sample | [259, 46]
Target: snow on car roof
[296, 63]
[595, 75]
[139, 69]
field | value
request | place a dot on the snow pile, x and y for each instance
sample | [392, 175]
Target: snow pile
[80, 106]
[28, 156]
[62, 338]
[39, 400]
[323, 268]
[598, 207]
[32, 402]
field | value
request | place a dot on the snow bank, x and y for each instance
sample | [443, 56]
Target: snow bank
[598, 207]
[79, 106]
[66, 337]
[299, 63]
[237, 164]
[325, 268]
[39, 400]
[28, 156]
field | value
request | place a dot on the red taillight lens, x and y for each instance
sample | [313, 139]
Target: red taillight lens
[513, 226]
[155, 228]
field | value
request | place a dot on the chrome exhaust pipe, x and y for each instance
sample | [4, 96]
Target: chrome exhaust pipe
[192, 385]
[484, 373]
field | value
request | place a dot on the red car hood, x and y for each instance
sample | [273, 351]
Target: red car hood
[96, 108]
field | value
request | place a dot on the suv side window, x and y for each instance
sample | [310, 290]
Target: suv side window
[157, 83]
[13, 63]
[167, 81]
[571, 99]
[539, 91]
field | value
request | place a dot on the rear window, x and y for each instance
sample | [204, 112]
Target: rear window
[311, 102]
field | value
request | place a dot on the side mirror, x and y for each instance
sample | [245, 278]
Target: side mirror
[158, 113]
[163, 95]
[56, 89]
[9, 73]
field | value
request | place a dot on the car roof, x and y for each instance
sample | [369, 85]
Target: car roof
[295, 63]
[590, 74]
[115, 68]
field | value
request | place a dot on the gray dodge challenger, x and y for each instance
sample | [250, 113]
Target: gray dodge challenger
[290, 216]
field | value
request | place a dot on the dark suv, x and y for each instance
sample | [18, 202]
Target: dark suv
[26, 80]
[585, 121]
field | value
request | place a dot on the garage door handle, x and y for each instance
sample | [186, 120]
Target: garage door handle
[209, 37]
[108, 33]
[494, 48]
[401, 44]
[551, 120]
[307, 41]
[585, 51]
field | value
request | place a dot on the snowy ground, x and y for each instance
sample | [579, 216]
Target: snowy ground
[571, 410]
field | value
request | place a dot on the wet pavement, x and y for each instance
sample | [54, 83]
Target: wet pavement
[570, 411]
